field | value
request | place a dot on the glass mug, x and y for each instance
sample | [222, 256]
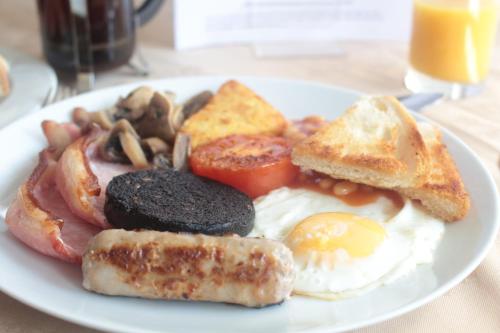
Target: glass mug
[91, 35]
[451, 46]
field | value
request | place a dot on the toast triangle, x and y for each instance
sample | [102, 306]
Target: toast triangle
[375, 142]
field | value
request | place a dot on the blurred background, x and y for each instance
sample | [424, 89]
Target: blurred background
[358, 38]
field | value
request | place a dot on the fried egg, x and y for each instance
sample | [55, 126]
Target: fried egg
[341, 250]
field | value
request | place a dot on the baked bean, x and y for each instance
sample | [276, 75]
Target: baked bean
[326, 183]
[345, 187]
[302, 177]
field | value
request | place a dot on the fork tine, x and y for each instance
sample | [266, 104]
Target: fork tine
[63, 92]
[48, 98]
[58, 96]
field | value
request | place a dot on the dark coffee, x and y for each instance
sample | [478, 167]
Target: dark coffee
[99, 36]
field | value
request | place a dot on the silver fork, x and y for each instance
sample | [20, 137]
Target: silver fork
[418, 101]
[63, 92]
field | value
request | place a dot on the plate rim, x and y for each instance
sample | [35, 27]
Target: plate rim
[17, 58]
[483, 249]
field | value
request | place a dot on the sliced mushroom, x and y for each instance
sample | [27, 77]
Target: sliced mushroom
[101, 119]
[129, 114]
[123, 145]
[132, 148]
[137, 99]
[111, 113]
[170, 94]
[162, 161]
[181, 152]
[158, 119]
[147, 114]
[177, 117]
[123, 125]
[154, 146]
[110, 150]
[134, 105]
[83, 118]
[196, 103]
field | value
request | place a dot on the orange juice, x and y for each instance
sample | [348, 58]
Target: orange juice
[452, 40]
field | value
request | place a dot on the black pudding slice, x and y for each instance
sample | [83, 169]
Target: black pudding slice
[168, 200]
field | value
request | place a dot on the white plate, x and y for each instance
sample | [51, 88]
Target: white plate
[32, 82]
[55, 287]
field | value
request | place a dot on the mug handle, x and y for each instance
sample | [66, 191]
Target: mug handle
[147, 10]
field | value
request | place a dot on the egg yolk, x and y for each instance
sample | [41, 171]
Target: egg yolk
[335, 233]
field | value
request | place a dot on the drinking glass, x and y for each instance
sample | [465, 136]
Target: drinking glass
[451, 46]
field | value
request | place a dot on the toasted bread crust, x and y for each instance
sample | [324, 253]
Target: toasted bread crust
[443, 193]
[383, 155]
[234, 109]
[416, 141]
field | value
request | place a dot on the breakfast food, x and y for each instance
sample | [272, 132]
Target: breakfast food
[4, 77]
[142, 129]
[59, 135]
[169, 200]
[39, 217]
[61, 206]
[375, 142]
[338, 208]
[341, 250]
[82, 177]
[436, 182]
[443, 193]
[254, 164]
[250, 272]
[234, 109]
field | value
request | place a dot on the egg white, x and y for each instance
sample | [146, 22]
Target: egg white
[279, 211]
[411, 239]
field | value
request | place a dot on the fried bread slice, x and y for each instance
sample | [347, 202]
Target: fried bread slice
[375, 142]
[234, 109]
[443, 193]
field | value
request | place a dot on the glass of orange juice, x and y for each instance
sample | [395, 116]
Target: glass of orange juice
[451, 46]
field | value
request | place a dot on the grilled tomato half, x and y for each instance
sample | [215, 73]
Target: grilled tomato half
[254, 164]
